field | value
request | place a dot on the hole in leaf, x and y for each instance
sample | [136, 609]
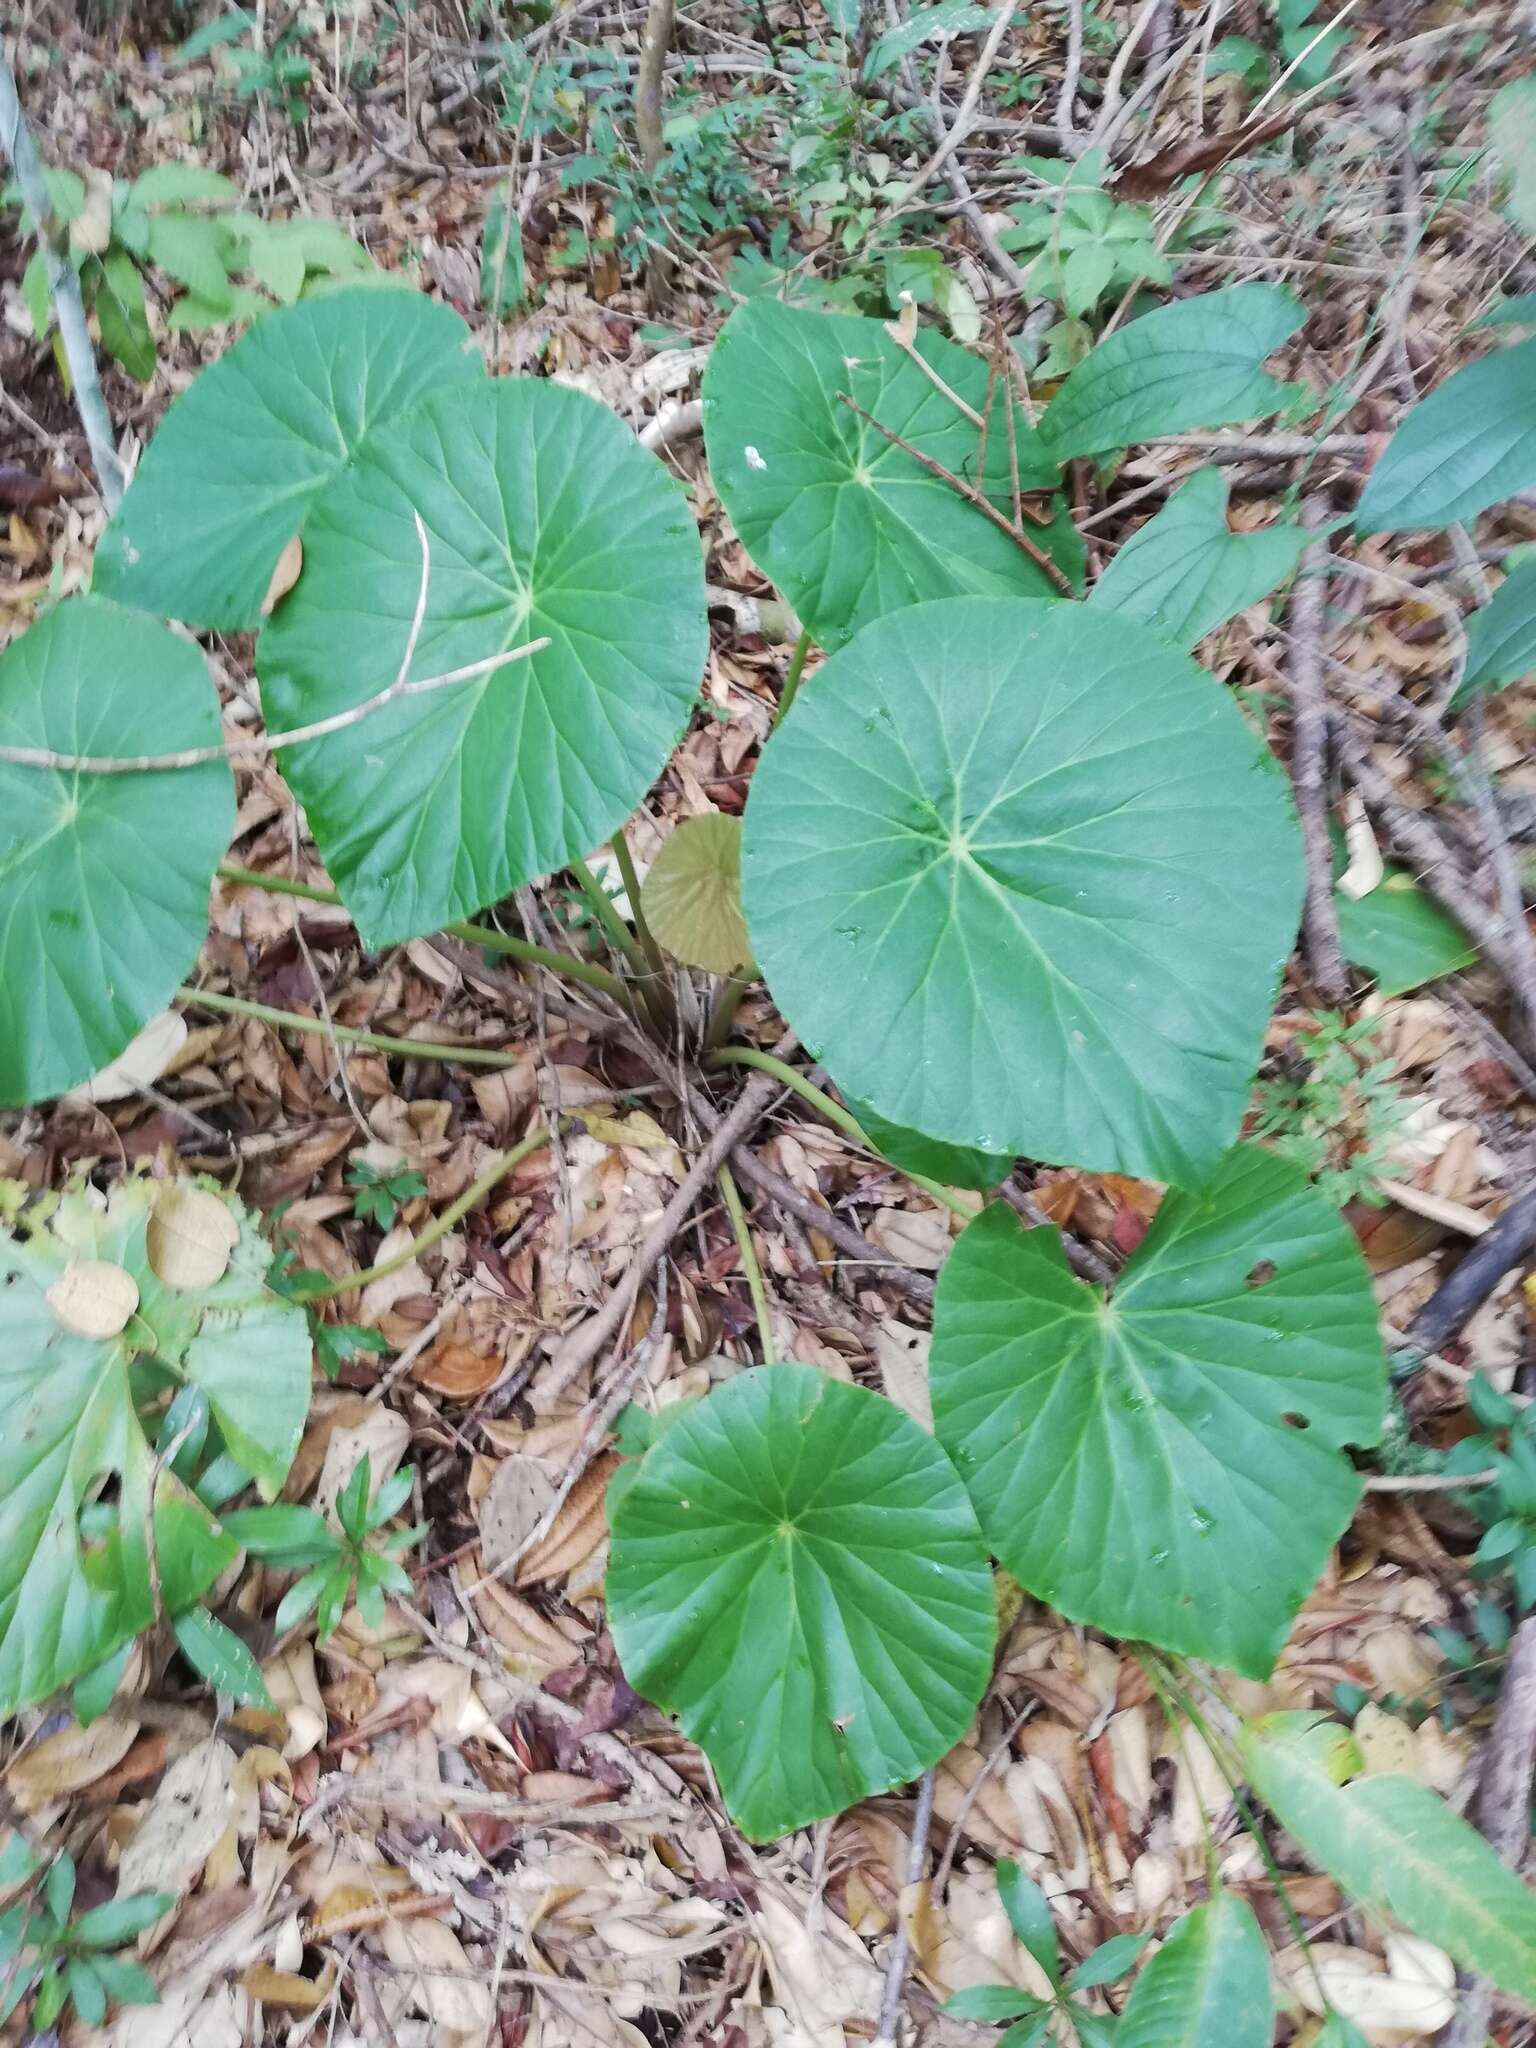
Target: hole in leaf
[1262, 1274]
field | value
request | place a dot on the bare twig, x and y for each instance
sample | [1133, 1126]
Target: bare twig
[1309, 762]
[969, 493]
[17, 144]
[649, 129]
[901, 1941]
[1469, 1284]
[1066, 114]
[269, 743]
[960, 126]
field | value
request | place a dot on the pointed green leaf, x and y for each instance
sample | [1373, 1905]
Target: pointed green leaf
[1208, 1986]
[120, 1920]
[1399, 936]
[217, 1654]
[1395, 1847]
[1025, 880]
[75, 1578]
[127, 1983]
[1501, 637]
[121, 315]
[992, 2002]
[1339, 2032]
[955, 1166]
[1462, 449]
[87, 1990]
[102, 911]
[228, 478]
[545, 518]
[849, 526]
[1110, 1961]
[1167, 1465]
[1029, 1915]
[798, 1576]
[1196, 363]
[1185, 573]
[190, 248]
[692, 895]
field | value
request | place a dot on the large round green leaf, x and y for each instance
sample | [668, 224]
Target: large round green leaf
[74, 1446]
[103, 878]
[798, 1576]
[227, 480]
[848, 525]
[1025, 880]
[956, 1166]
[545, 517]
[1168, 1464]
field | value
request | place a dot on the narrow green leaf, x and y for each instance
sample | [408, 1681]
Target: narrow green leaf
[1166, 1465]
[1208, 1986]
[121, 1920]
[126, 1982]
[59, 1887]
[1512, 134]
[798, 1575]
[1395, 1847]
[1048, 851]
[1196, 363]
[1029, 1915]
[217, 1654]
[88, 952]
[848, 525]
[1109, 1962]
[992, 2002]
[121, 315]
[1501, 636]
[503, 285]
[228, 478]
[86, 1989]
[1519, 311]
[1462, 449]
[1185, 572]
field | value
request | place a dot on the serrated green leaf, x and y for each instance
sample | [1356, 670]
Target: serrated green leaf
[1185, 572]
[217, 1654]
[1399, 936]
[70, 1595]
[275, 258]
[955, 1166]
[102, 911]
[176, 185]
[1196, 363]
[1462, 449]
[545, 517]
[240, 456]
[849, 526]
[1025, 880]
[121, 315]
[1501, 635]
[1208, 1986]
[189, 247]
[798, 1576]
[1395, 1847]
[692, 895]
[1168, 1465]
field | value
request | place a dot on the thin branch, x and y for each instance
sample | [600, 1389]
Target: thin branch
[960, 127]
[901, 1942]
[17, 144]
[1309, 762]
[970, 494]
[1066, 116]
[1470, 1283]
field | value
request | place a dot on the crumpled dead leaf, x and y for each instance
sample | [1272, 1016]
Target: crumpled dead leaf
[193, 1805]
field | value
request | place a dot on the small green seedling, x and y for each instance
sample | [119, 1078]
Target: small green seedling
[1037, 2020]
[381, 1194]
[56, 1960]
[1334, 1110]
[338, 1562]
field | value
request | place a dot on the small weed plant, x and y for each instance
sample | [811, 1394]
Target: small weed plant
[1016, 870]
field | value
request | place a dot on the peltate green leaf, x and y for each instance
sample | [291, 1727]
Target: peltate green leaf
[545, 518]
[1167, 1465]
[1462, 449]
[102, 908]
[1185, 572]
[1196, 363]
[76, 1467]
[848, 525]
[1395, 1847]
[692, 895]
[226, 482]
[1208, 1986]
[1025, 880]
[798, 1576]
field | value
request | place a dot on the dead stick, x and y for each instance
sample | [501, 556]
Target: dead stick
[901, 1942]
[970, 494]
[1309, 762]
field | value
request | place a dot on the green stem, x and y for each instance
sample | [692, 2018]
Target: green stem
[403, 1048]
[791, 687]
[475, 934]
[834, 1112]
[749, 1264]
[440, 1226]
[723, 1015]
[600, 903]
[631, 881]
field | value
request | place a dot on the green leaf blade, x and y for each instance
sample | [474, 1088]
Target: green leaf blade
[798, 1576]
[1135, 1464]
[1501, 636]
[545, 518]
[90, 947]
[849, 526]
[1462, 449]
[228, 478]
[1046, 848]
[1208, 1986]
[1196, 363]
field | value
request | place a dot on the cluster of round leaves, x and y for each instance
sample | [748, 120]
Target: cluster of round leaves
[355, 422]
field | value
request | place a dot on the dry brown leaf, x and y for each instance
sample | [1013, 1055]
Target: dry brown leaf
[457, 1370]
[578, 1530]
[1408, 1995]
[381, 1436]
[286, 1988]
[142, 1061]
[459, 2006]
[913, 1237]
[193, 1804]
[1386, 1743]
[190, 1237]
[285, 573]
[519, 1495]
[902, 1356]
[93, 1298]
[69, 1760]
